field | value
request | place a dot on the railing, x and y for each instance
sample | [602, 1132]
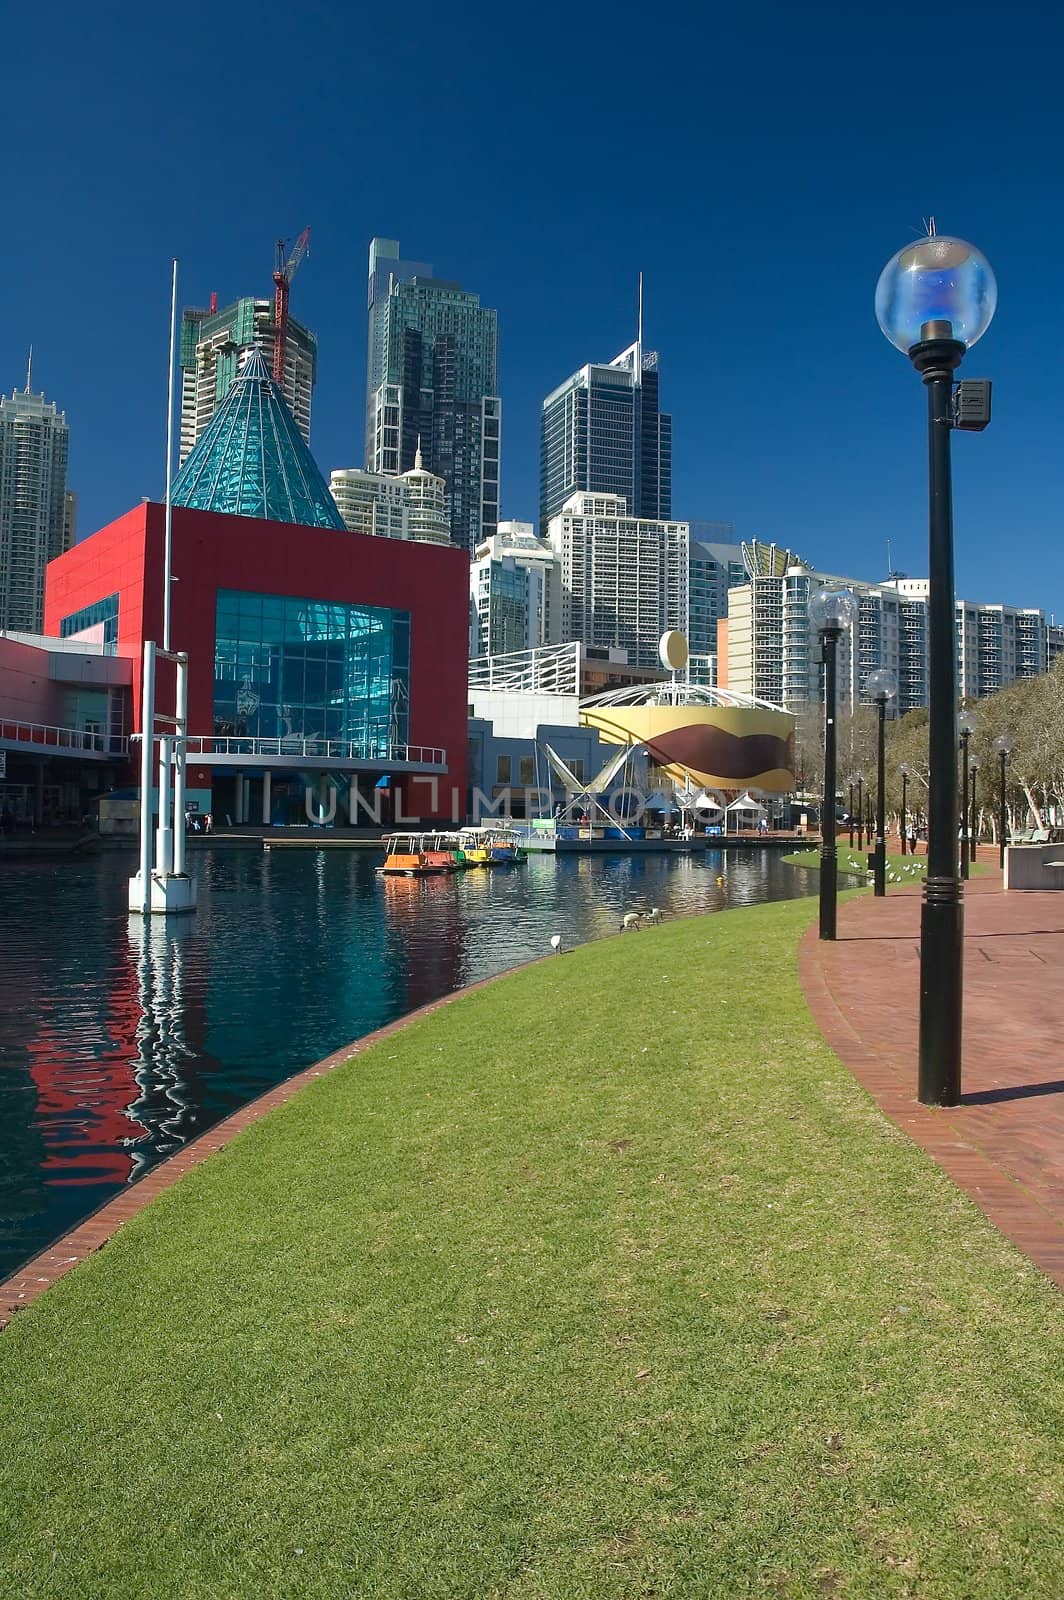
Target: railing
[78, 741]
[547, 669]
[298, 748]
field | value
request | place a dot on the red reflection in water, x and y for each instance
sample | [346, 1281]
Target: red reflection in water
[82, 1108]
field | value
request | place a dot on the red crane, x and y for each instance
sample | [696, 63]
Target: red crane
[283, 273]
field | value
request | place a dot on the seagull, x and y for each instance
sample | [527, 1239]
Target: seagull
[556, 943]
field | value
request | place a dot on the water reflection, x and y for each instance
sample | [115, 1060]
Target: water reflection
[165, 1109]
[120, 1041]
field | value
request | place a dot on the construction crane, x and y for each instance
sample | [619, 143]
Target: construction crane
[283, 273]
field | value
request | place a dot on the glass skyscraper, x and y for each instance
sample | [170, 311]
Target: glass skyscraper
[36, 509]
[603, 432]
[432, 379]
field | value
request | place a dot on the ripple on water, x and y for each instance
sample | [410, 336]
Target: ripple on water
[118, 1043]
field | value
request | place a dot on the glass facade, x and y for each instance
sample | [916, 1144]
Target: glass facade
[433, 385]
[251, 461]
[99, 622]
[295, 669]
[603, 432]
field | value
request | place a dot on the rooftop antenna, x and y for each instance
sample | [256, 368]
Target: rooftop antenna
[29, 369]
[929, 226]
[890, 564]
[639, 331]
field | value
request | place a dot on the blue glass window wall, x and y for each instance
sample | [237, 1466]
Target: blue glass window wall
[103, 611]
[286, 668]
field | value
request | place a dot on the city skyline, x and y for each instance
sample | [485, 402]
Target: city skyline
[793, 419]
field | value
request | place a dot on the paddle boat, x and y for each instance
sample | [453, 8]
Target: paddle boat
[491, 846]
[409, 855]
[444, 852]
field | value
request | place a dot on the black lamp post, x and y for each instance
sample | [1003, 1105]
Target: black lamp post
[881, 687]
[973, 818]
[934, 299]
[1002, 749]
[904, 795]
[965, 727]
[850, 810]
[860, 811]
[830, 610]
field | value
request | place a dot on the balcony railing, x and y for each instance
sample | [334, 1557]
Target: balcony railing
[68, 741]
[203, 746]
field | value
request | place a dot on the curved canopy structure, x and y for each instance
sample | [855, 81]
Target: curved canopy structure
[251, 460]
[708, 737]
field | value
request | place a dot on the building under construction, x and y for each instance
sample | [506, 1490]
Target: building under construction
[213, 345]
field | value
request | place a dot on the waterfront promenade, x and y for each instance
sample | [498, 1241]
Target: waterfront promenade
[1004, 1144]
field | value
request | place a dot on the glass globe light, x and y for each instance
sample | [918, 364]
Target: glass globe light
[965, 722]
[905, 769]
[938, 288]
[1003, 744]
[832, 609]
[881, 685]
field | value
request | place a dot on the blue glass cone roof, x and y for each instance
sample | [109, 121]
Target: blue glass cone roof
[251, 460]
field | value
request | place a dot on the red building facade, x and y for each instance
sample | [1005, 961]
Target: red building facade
[220, 562]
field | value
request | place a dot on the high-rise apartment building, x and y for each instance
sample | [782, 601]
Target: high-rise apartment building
[515, 591]
[772, 646]
[624, 579]
[36, 510]
[603, 432]
[432, 382]
[409, 505]
[213, 346]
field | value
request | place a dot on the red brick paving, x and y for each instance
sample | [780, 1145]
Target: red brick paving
[1004, 1144]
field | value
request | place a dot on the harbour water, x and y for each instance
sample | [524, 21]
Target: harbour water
[120, 1042]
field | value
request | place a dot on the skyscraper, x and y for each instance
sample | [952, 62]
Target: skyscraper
[432, 375]
[36, 513]
[213, 346]
[624, 579]
[604, 433]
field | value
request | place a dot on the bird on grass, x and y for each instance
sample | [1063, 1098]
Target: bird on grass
[556, 943]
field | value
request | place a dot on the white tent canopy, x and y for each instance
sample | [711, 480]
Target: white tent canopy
[746, 802]
[706, 804]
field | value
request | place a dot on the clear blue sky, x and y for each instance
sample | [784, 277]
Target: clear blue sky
[760, 164]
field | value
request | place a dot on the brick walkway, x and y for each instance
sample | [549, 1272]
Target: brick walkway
[1005, 1143]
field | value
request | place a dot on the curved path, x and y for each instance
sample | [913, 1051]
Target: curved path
[1004, 1144]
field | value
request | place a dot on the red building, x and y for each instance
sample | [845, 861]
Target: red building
[321, 663]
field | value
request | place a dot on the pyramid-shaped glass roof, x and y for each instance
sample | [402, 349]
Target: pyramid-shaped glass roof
[251, 460]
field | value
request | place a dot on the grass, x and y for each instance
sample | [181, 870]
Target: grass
[854, 863]
[606, 1281]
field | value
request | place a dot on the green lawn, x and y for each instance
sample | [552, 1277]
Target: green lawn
[606, 1281]
[854, 863]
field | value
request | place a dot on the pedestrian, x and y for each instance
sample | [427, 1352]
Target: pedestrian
[208, 822]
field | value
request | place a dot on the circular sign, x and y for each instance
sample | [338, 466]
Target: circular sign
[673, 651]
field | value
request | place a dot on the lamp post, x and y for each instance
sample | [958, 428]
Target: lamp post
[904, 770]
[934, 299]
[973, 830]
[850, 811]
[881, 687]
[860, 811]
[965, 727]
[830, 611]
[1002, 749]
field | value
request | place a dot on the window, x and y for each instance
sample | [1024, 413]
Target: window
[296, 669]
[98, 623]
[528, 771]
[502, 769]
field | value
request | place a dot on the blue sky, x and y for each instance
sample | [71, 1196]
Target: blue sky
[759, 164]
